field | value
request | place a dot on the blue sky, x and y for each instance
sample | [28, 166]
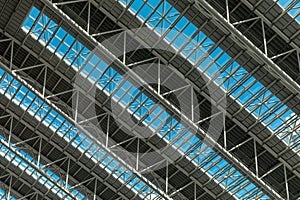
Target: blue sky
[106, 78]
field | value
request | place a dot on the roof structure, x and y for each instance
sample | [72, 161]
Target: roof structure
[148, 99]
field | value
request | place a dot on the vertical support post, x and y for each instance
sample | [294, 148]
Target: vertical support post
[192, 104]
[76, 109]
[264, 37]
[45, 81]
[95, 190]
[89, 17]
[39, 153]
[225, 133]
[227, 12]
[158, 78]
[286, 183]
[167, 176]
[124, 49]
[255, 157]
[10, 131]
[137, 155]
[11, 55]
[107, 131]
[67, 175]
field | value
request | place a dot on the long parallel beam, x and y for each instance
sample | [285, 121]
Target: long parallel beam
[281, 160]
[41, 156]
[64, 76]
[271, 24]
[42, 135]
[14, 168]
[35, 188]
[8, 188]
[166, 103]
[260, 56]
[37, 169]
[45, 158]
[260, 141]
[108, 111]
[183, 170]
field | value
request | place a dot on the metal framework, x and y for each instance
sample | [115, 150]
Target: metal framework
[46, 47]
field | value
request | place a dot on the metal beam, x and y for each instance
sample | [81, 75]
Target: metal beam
[259, 55]
[240, 124]
[18, 141]
[81, 128]
[166, 103]
[12, 174]
[63, 76]
[37, 169]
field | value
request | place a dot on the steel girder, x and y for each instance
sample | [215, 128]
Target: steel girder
[237, 163]
[120, 20]
[35, 190]
[207, 180]
[35, 145]
[71, 153]
[234, 115]
[13, 187]
[262, 56]
[65, 149]
[13, 168]
[198, 182]
[279, 20]
[252, 129]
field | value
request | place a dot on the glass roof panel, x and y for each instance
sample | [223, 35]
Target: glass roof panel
[5, 195]
[158, 115]
[238, 82]
[292, 7]
[22, 163]
[109, 80]
[67, 131]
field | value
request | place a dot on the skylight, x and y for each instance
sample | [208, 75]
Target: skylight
[233, 78]
[123, 91]
[29, 102]
[22, 160]
[292, 7]
[5, 196]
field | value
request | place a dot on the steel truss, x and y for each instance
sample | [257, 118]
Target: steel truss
[237, 163]
[81, 160]
[38, 141]
[262, 55]
[10, 191]
[173, 192]
[280, 18]
[260, 141]
[234, 114]
[45, 91]
[263, 141]
[65, 159]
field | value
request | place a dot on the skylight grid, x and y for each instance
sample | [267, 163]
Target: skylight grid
[194, 45]
[22, 159]
[5, 196]
[99, 73]
[292, 7]
[32, 104]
